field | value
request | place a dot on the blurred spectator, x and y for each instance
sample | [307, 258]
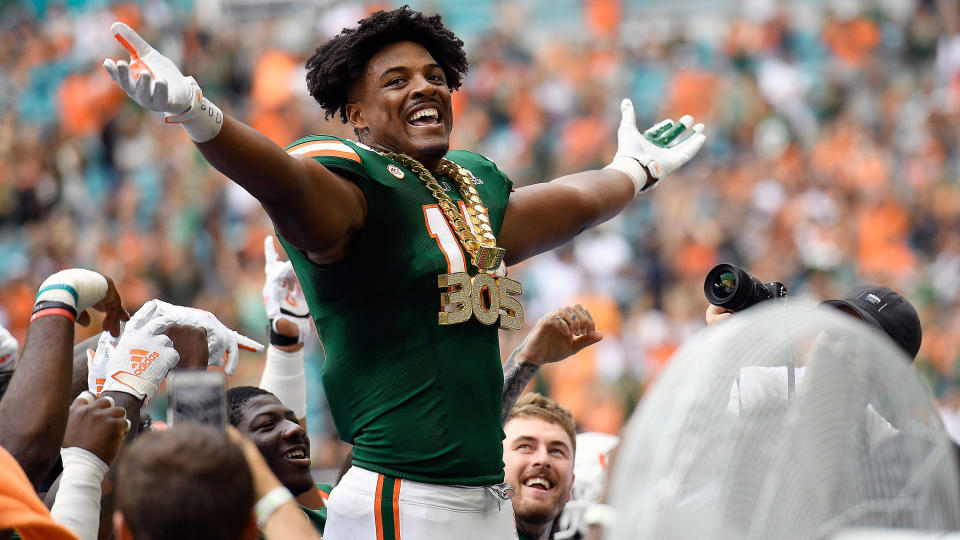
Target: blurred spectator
[166, 482]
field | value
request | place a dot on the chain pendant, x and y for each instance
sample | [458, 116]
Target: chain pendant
[488, 259]
[484, 297]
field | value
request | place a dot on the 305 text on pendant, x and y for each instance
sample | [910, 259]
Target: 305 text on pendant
[486, 297]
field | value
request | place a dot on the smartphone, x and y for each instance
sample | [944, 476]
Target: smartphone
[198, 396]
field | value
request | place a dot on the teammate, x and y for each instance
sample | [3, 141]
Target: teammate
[539, 451]
[400, 244]
[284, 444]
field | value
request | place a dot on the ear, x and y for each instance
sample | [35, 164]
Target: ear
[120, 529]
[573, 478]
[355, 116]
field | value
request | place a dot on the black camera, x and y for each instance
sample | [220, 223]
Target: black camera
[730, 287]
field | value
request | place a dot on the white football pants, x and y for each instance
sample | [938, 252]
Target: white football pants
[370, 506]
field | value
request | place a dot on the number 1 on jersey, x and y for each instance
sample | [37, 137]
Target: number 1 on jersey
[440, 231]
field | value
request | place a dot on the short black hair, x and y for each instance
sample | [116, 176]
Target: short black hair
[237, 397]
[338, 63]
[165, 480]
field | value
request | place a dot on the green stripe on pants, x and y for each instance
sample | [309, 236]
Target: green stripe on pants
[391, 530]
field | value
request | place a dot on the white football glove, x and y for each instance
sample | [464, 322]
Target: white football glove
[97, 361]
[8, 350]
[156, 84]
[220, 339]
[141, 360]
[660, 150]
[282, 295]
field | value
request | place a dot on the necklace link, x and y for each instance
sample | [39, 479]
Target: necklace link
[479, 239]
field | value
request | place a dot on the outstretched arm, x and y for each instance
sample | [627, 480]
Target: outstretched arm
[543, 216]
[558, 334]
[294, 190]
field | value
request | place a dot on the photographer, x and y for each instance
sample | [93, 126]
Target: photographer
[878, 307]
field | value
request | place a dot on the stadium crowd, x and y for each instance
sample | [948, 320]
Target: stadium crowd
[831, 160]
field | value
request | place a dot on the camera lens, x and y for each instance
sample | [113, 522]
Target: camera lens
[725, 284]
[730, 287]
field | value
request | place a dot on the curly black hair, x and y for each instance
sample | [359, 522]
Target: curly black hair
[336, 64]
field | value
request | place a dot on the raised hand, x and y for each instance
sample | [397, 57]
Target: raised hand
[660, 150]
[282, 296]
[141, 359]
[97, 361]
[71, 292]
[220, 339]
[150, 78]
[559, 334]
[156, 83]
[97, 426]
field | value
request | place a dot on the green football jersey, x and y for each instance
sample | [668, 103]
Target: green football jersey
[316, 516]
[418, 400]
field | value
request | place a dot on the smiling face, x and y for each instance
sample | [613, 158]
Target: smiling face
[282, 441]
[402, 102]
[538, 458]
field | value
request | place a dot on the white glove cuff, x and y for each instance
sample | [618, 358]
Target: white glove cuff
[76, 287]
[202, 121]
[129, 383]
[284, 376]
[632, 168]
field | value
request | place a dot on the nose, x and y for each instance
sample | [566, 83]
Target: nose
[293, 430]
[541, 458]
[421, 86]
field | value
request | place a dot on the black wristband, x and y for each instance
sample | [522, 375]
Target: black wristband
[292, 314]
[281, 340]
[48, 304]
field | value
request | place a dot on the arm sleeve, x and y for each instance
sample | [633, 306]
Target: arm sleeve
[77, 505]
[284, 376]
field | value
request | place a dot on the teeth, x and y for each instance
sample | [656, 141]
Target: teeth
[538, 482]
[424, 113]
[294, 454]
